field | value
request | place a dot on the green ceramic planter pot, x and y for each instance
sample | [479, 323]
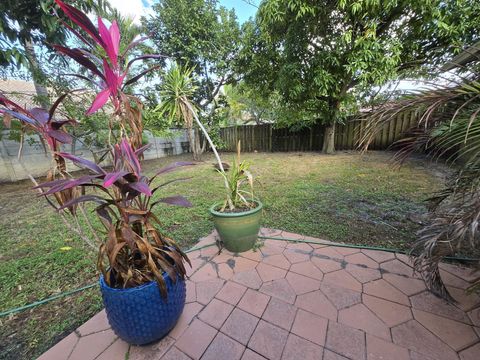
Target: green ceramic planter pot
[238, 231]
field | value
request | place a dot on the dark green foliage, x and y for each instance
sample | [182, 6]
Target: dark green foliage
[23, 21]
[198, 34]
[321, 55]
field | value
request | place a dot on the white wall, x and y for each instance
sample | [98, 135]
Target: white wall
[37, 163]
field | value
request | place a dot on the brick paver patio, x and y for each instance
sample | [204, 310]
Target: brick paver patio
[301, 301]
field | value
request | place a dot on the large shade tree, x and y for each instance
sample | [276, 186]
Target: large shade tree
[203, 36]
[245, 104]
[199, 34]
[25, 24]
[320, 55]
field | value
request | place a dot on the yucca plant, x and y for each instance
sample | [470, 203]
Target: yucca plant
[238, 218]
[448, 127]
[177, 87]
[240, 180]
[176, 103]
[236, 235]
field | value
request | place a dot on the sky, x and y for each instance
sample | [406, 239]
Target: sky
[139, 8]
[242, 8]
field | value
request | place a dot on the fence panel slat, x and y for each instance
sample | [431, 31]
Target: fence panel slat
[265, 138]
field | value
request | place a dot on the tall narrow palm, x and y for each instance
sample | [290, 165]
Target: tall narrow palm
[177, 88]
[448, 126]
[176, 93]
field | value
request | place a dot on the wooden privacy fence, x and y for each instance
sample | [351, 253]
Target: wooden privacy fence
[266, 138]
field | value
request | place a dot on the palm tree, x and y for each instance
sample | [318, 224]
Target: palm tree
[448, 127]
[176, 92]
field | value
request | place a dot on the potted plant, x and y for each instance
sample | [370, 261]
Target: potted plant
[237, 219]
[142, 270]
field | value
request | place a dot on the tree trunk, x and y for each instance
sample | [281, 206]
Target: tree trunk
[329, 135]
[73, 146]
[329, 139]
[202, 145]
[198, 149]
[191, 141]
[214, 149]
[37, 74]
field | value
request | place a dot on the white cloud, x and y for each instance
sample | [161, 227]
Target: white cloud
[133, 8]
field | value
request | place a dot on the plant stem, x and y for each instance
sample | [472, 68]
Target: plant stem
[214, 149]
[89, 223]
[77, 230]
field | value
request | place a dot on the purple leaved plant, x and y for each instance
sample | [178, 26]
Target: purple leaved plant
[109, 68]
[132, 251]
[123, 203]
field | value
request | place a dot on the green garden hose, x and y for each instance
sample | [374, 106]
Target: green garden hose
[70, 292]
[377, 248]
[44, 301]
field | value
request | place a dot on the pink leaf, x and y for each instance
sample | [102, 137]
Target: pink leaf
[70, 183]
[100, 100]
[115, 36]
[141, 150]
[80, 57]
[111, 78]
[141, 187]
[84, 198]
[110, 178]
[60, 135]
[83, 163]
[81, 20]
[120, 79]
[107, 39]
[27, 120]
[130, 156]
[39, 114]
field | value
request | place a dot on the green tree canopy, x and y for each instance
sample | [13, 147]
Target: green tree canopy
[319, 55]
[245, 104]
[199, 34]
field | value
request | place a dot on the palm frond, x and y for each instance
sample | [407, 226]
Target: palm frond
[177, 87]
[447, 127]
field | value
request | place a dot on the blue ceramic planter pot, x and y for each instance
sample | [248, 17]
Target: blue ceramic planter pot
[140, 315]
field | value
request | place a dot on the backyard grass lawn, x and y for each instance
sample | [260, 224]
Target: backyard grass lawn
[346, 197]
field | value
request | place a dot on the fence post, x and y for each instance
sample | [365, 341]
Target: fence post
[310, 144]
[270, 136]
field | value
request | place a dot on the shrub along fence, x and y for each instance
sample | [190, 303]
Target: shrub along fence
[266, 138]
